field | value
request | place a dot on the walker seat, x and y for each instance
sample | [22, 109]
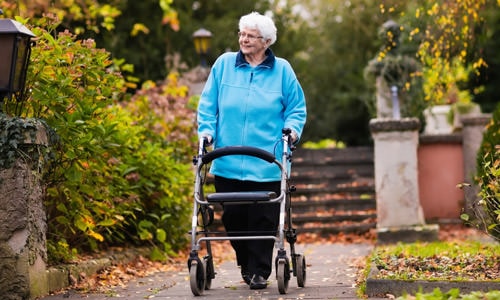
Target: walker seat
[258, 196]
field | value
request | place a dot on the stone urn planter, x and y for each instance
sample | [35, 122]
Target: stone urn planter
[447, 118]
[436, 119]
[464, 110]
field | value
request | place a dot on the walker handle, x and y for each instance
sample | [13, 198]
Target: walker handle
[287, 133]
[238, 150]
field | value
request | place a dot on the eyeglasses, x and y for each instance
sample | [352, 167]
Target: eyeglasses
[248, 36]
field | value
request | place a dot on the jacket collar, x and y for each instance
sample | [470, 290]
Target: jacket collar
[268, 62]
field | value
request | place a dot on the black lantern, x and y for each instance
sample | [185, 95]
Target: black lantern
[15, 50]
[202, 38]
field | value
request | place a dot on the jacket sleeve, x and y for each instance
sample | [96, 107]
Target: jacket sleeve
[295, 109]
[208, 107]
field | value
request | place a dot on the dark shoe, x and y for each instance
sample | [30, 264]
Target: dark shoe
[258, 283]
[246, 277]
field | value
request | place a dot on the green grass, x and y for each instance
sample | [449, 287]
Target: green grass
[361, 290]
[458, 261]
[450, 249]
[437, 294]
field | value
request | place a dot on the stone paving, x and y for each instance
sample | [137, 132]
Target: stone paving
[331, 274]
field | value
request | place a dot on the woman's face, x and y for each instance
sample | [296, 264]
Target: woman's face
[251, 42]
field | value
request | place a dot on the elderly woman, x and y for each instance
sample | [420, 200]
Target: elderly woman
[249, 97]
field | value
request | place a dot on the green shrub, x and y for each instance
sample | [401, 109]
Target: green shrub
[167, 121]
[488, 174]
[122, 168]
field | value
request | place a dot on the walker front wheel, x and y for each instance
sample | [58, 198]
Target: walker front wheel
[283, 275]
[197, 278]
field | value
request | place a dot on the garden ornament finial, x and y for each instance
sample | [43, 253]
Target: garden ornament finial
[390, 32]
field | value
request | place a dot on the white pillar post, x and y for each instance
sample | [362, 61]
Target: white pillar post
[399, 213]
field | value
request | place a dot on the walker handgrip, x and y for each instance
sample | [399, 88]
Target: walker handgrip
[238, 150]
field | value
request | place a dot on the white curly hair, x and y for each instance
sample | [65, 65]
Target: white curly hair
[262, 23]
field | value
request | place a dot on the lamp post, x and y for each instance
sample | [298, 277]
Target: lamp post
[15, 50]
[201, 39]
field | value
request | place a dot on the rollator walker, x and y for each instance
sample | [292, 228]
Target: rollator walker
[201, 270]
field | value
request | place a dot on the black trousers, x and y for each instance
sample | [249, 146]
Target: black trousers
[254, 256]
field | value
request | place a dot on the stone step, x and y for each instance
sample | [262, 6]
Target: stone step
[357, 228]
[334, 218]
[347, 191]
[348, 156]
[339, 172]
[343, 204]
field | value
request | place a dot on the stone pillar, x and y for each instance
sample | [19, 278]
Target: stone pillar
[399, 214]
[23, 253]
[472, 136]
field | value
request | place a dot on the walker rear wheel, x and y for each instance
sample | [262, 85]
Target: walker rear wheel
[283, 275]
[197, 278]
[300, 268]
[208, 273]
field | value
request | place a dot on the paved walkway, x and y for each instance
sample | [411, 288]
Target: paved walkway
[330, 274]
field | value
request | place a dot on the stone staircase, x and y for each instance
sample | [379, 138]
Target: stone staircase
[335, 190]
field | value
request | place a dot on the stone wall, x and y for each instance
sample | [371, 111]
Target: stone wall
[23, 226]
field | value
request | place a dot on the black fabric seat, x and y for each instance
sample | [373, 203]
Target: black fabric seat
[257, 196]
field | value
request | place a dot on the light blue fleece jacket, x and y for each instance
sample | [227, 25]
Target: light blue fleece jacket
[243, 105]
